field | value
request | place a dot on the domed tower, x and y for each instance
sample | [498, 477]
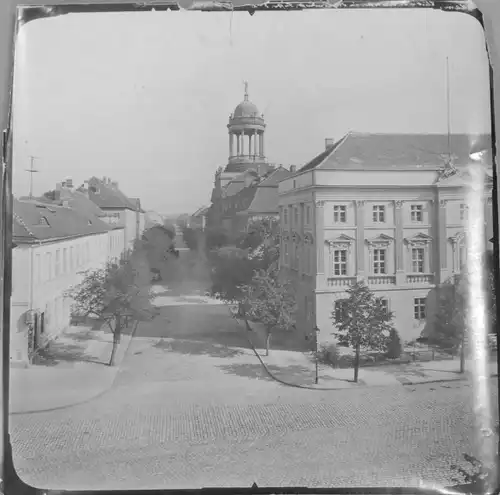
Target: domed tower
[246, 137]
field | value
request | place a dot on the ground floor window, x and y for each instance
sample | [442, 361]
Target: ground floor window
[385, 304]
[340, 310]
[419, 308]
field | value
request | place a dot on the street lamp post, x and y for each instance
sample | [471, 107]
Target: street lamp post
[316, 334]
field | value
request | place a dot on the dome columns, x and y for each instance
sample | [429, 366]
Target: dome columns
[248, 143]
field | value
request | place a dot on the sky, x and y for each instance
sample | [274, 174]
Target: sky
[144, 98]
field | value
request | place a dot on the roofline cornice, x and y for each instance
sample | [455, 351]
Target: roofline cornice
[20, 240]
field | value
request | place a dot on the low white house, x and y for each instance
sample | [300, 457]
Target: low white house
[53, 245]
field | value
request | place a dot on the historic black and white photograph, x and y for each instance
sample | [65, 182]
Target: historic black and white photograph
[242, 249]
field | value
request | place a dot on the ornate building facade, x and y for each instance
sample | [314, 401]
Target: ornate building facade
[387, 209]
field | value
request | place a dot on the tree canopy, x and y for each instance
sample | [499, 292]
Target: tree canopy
[269, 301]
[114, 292]
[362, 321]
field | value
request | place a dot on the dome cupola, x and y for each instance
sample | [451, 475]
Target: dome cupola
[246, 136]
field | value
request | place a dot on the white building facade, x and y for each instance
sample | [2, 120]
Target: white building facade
[54, 245]
[386, 215]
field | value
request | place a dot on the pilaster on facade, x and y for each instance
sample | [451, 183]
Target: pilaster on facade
[319, 261]
[442, 269]
[399, 235]
[360, 238]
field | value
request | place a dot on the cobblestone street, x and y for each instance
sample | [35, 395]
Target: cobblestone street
[193, 411]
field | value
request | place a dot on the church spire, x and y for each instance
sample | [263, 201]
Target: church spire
[246, 90]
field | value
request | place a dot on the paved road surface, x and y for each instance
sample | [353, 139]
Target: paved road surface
[186, 412]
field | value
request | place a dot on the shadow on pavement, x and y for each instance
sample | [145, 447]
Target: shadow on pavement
[198, 347]
[294, 374]
[59, 353]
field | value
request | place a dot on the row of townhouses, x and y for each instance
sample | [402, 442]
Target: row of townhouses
[56, 237]
[389, 209]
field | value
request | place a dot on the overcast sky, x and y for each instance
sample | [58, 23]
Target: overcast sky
[144, 98]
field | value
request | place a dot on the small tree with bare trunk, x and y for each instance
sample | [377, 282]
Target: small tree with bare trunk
[269, 301]
[115, 293]
[363, 322]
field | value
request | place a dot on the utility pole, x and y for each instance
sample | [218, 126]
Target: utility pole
[31, 171]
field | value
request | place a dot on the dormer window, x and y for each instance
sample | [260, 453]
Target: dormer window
[43, 221]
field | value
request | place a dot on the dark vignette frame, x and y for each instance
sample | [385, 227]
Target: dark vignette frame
[15, 13]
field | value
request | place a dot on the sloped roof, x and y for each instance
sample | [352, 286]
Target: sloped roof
[109, 196]
[201, 211]
[274, 177]
[234, 187]
[61, 222]
[265, 200]
[361, 150]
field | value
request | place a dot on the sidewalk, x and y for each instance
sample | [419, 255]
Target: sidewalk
[298, 369]
[72, 371]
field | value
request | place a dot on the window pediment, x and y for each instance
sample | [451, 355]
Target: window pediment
[458, 238]
[343, 241]
[382, 240]
[418, 240]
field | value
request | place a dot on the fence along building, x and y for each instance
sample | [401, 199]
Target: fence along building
[383, 208]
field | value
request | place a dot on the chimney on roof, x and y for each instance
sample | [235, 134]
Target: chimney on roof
[293, 168]
[329, 142]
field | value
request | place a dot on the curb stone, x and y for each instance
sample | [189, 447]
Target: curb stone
[360, 384]
[88, 399]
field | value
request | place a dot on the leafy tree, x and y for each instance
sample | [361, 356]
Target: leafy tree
[363, 322]
[231, 269]
[448, 329]
[394, 346]
[215, 238]
[159, 248]
[263, 242]
[191, 238]
[269, 301]
[170, 228]
[114, 293]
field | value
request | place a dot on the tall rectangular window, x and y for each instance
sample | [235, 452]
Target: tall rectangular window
[296, 216]
[71, 258]
[379, 214]
[417, 260]
[340, 262]
[419, 308]
[57, 269]
[340, 310]
[65, 260]
[416, 213]
[308, 215]
[285, 215]
[379, 257]
[385, 304]
[339, 214]
[285, 252]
